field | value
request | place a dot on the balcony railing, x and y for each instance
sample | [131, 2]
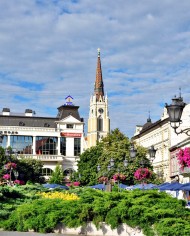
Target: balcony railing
[185, 171]
[43, 157]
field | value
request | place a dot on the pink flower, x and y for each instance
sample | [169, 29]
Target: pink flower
[142, 173]
[69, 184]
[7, 176]
[76, 183]
[183, 157]
[10, 165]
[20, 182]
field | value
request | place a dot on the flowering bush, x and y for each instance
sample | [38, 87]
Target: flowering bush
[60, 195]
[119, 176]
[10, 165]
[7, 176]
[183, 157]
[103, 179]
[142, 173]
[20, 182]
[75, 184]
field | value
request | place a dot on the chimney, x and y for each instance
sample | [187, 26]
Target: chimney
[28, 112]
[6, 111]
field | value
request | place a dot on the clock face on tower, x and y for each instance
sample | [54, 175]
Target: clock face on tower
[100, 110]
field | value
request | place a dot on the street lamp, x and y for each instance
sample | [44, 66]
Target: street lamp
[152, 153]
[175, 111]
[16, 174]
[132, 151]
[109, 167]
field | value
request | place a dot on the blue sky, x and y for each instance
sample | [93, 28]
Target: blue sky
[48, 50]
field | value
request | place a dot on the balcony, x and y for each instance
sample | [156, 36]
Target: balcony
[185, 172]
[43, 157]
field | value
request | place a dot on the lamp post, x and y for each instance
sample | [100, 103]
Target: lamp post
[109, 167]
[152, 153]
[16, 174]
[175, 111]
[8, 154]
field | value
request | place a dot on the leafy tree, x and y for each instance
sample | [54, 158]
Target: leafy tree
[116, 146]
[57, 176]
[29, 169]
[87, 165]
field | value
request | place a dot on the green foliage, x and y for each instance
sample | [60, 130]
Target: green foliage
[57, 175]
[175, 227]
[156, 213]
[115, 145]
[87, 165]
[30, 169]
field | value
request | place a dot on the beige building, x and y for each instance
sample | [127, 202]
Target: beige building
[98, 121]
[163, 138]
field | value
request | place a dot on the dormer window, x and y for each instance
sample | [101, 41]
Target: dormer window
[70, 126]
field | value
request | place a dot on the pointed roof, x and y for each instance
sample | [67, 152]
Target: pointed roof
[99, 85]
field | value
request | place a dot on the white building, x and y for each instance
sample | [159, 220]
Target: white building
[58, 140]
[164, 139]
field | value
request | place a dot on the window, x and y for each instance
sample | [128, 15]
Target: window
[22, 144]
[46, 145]
[3, 141]
[47, 172]
[77, 146]
[100, 123]
[70, 126]
[63, 146]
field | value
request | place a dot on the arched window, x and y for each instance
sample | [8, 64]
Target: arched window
[68, 172]
[47, 171]
[100, 123]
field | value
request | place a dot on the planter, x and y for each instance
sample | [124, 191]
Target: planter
[91, 230]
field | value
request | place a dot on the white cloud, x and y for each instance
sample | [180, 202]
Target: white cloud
[145, 51]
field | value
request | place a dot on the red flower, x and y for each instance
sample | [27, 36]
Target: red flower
[76, 183]
[142, 173]
[119, 176]
[20, 182]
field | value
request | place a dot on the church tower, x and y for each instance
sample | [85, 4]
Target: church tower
[98, 122]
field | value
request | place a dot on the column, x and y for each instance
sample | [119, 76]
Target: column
[34, 145]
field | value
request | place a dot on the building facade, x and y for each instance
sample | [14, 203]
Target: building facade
[58, 140]
[98, 121]
[165, 140]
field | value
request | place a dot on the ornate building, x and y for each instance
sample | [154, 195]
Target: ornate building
[52, 140]
[167, 142]
[98, 122]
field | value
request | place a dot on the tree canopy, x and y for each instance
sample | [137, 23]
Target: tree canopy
[116, 146]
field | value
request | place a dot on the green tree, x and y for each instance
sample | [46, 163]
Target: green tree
[57, 175]
[116, 146]
[87, 165]
[30, 170]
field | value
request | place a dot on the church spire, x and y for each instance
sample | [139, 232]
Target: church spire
[99, 85]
